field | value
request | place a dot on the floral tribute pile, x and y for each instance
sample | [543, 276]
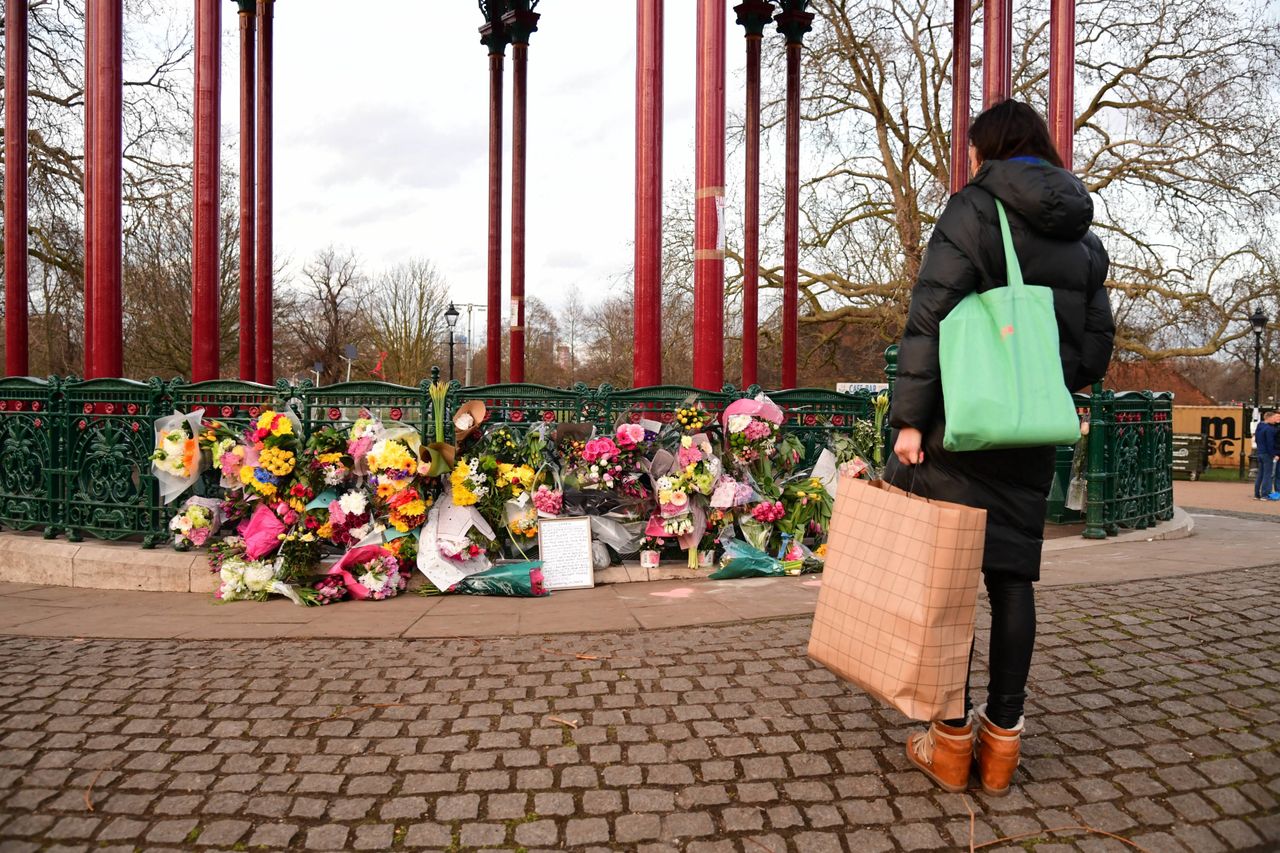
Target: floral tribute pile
[350, 513]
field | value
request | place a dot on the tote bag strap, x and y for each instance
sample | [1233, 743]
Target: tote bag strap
[1014, 269]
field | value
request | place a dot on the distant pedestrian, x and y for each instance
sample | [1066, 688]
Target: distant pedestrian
[1266, 445]
[1049, 212]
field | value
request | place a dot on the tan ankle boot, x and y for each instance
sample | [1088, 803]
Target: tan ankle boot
[944, 754]
[997, 752]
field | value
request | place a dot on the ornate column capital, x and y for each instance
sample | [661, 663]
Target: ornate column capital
[520, 20]
[247, 7]
[794, 21]
[494, 34]
[754, 15]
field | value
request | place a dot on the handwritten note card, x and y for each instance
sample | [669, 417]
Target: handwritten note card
[564, 545]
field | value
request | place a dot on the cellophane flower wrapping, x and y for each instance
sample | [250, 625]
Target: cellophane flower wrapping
[520, 580]
[199, 520]
[741, 560]
[176, 461]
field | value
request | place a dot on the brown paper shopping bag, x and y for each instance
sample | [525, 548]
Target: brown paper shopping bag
[896, 608]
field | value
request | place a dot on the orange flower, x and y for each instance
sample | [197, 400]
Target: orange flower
[190, 452]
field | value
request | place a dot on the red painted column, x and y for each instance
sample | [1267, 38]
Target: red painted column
[646, 367]
[961, 53]
[205, 338]
[107, 153]
[753, 15]
[248, 30]
[15, 189]
[495, 36]
[90, 62]
[708, 210]
[997, 52]
[264, 317]
[520, 23]
[793, 22]
[1062, 73]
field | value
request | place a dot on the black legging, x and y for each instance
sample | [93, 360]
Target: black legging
[1013, 635]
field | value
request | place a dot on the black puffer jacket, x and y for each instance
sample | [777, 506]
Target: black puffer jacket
[1049, 216]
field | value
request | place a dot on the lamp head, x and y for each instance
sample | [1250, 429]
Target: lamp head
[1258, 319]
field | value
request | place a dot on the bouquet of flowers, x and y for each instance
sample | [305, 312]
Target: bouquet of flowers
[370, 572]
[176, 458]
[407, 509]
[692, 418]
[635, 442]
[808, 508]
[752, 429]
[270, 455]
[350, 519]
[200, 518]
[329, 590]
[760, 523]
[548, 502]
[255, 580]
[862, 452]
[470, 485]
[328, 463]
[364, 434]
[393, 461]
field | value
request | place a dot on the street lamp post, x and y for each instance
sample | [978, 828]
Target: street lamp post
[1258, 319]
[451, 320]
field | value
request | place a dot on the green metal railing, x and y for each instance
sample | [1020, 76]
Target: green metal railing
[74, 455]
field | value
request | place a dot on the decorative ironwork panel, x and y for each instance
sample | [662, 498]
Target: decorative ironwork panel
[1162, 455]
[107, 486]
[29, 454]
[1129, 463]
[342, 404]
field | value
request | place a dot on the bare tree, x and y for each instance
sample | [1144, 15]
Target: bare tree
[1177, 123]
[404, 307]
[328, 317]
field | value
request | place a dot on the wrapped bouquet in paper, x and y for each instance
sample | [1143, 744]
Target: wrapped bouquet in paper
[741, 560]
[199, 520]
[176, 459]
[262, 532]
[437, 457]
[450, 546]
[370, 572]
[521, 580]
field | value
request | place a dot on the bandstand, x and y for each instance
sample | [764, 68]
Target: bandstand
[503, 23]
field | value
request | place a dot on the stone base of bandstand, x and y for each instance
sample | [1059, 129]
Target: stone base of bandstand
[28, 558]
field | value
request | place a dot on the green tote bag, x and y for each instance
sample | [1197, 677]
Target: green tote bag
[1002, 382]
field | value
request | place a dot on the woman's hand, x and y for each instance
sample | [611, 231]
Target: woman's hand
[908, 446]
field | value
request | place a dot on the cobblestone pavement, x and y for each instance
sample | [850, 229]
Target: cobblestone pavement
[1154, 716]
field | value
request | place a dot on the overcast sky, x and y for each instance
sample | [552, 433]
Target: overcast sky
[382, 134]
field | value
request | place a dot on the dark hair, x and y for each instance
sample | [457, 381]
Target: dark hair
[1012, 129]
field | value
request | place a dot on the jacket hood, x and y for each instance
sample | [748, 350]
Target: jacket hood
[1052, 200]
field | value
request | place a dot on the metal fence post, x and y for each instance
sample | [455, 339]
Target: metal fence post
[1095, 478]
